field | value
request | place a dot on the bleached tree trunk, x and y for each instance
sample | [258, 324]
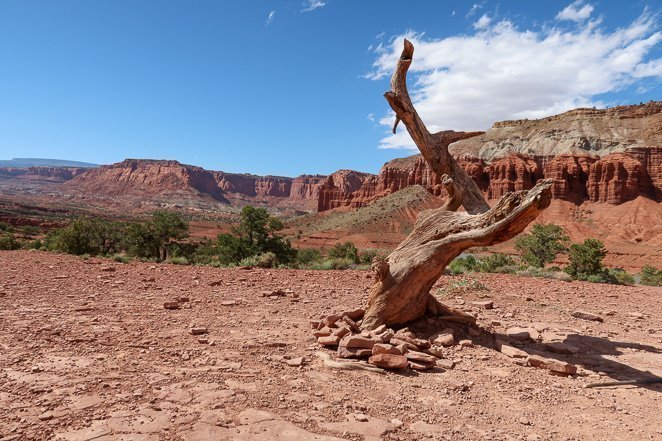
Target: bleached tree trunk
[404, 279]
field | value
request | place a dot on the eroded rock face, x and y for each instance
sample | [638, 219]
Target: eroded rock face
[53, 174]
[577, 132]
[150, 178]
[615, 178]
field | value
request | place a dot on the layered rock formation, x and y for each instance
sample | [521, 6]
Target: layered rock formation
[610, 155]
[162, 179]
[52, 174]
[577, 132]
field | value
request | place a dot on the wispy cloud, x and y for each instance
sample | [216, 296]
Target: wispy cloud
[501, 72]
[270, 17]
[577, 11]
[482, 22]
[311, 5]
[474, 8]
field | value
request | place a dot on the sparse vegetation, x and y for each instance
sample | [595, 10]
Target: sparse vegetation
[585, 261]
[542, 245]
[650, 276]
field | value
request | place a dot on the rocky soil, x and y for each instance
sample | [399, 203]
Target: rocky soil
[89, 352]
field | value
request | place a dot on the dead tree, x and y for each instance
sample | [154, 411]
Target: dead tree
[404, 279]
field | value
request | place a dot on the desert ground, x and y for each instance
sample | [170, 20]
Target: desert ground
[88, 352]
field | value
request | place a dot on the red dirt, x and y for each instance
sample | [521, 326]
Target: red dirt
[90, 353]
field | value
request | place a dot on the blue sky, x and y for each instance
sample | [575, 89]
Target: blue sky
[292, 87]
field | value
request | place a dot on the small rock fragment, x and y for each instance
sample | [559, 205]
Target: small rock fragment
[389, 361]
[587, 316]
[198, 331]
[171, 305]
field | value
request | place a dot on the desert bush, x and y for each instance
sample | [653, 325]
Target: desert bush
[256, 234]
[307, 256]
[366, 257]
[332, 264]
[346, 250]
[542, 245]
[4, 226]
[497, 263]
[121, 258]
[177, 260]
[461, 265]
[585, 261]
[619, 276]
[650, 276]
[8, 242]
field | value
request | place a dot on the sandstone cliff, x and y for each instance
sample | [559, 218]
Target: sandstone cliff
[577, 132]
[52, 174]
[610, 155]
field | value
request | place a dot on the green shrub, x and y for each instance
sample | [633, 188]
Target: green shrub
[306, 256]
[8, 242]
[346, 250]
[333, 264]
[619, 276]
[4, 226]
[650, 276]
[177, 260]
[461, 265]
[542, 245]
[366, 257]
[585, 261]
[120, 258]
[497, 263]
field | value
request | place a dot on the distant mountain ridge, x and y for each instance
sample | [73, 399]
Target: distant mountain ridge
[595, 155]
[44, 162]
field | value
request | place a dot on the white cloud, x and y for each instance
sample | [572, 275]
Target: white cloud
[483, 22]
[371, 117]
[577, 11]
[270, 17]
[311, 5]
[501, 72]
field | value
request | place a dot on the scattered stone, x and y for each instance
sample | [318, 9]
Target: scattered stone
[389, 361]
[419, 366]
[421, 357]
[511, 351]
[358, 341]
[484, 304]
[396, 422]
[385, 348]
[324, 332]
[46, 416]
[556, 366]
[329, 340]
[198, 331]
[379, 330]
[445, 363]
[444, 340]
[636, 315]
[171, 305]
[228, 303]
[466, 343]
[345, 352]
[522, 334]
[397, 342]
[361, 417]
[108, 269]
[386, 336]
[216, 283]
[341, 332]
[435, 350]
[294, 362]
[351, 323]
[559, 347]
[587, 316]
